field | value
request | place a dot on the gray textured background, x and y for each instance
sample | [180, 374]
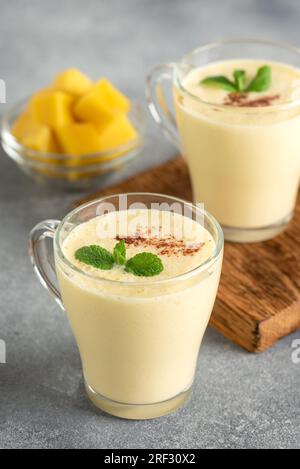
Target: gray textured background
[239, 400]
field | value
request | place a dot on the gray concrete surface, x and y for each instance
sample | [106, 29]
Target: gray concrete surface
[239, 400]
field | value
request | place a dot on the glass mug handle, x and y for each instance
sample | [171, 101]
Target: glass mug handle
[157, 104]
[42, 258]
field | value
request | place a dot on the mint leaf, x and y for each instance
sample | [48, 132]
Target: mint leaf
[260, 82]
[120, 253]
[144, 264]
[239, 79]
[220, 82]
[95, 256]
[262, 79]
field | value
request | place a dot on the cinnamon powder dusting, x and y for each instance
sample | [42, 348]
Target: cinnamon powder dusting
[241, 100]
[168, 246]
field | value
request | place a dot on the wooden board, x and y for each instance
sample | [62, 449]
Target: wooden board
[259, 295]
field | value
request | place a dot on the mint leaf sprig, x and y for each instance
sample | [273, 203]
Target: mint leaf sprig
[220, 81]
[261, 81]
[144, 264]
[239, 79]
[120, 253]
[96, 256]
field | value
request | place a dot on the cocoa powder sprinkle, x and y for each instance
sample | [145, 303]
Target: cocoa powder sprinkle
[241, 100]
[168, 246]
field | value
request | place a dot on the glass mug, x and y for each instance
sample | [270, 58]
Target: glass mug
[138, 341]
[244, 162]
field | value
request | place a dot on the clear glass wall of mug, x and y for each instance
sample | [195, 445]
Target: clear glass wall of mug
[244, 162]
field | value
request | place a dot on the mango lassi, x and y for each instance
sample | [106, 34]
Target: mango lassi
[138, 336]
[243, 149]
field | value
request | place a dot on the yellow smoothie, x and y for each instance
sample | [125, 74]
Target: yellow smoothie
[139, 337]
[243, 154]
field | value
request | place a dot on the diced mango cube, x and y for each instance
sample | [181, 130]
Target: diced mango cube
[40, 139]
[101, 103]
[119, 132]
[52, 108]
[72, 81]
[101, 126]
[43, 91]
[78, 139]
[33, 135]
[39, 95]
[112, 96]
[23, 124]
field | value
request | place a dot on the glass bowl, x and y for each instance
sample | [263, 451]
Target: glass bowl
[70, 171]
